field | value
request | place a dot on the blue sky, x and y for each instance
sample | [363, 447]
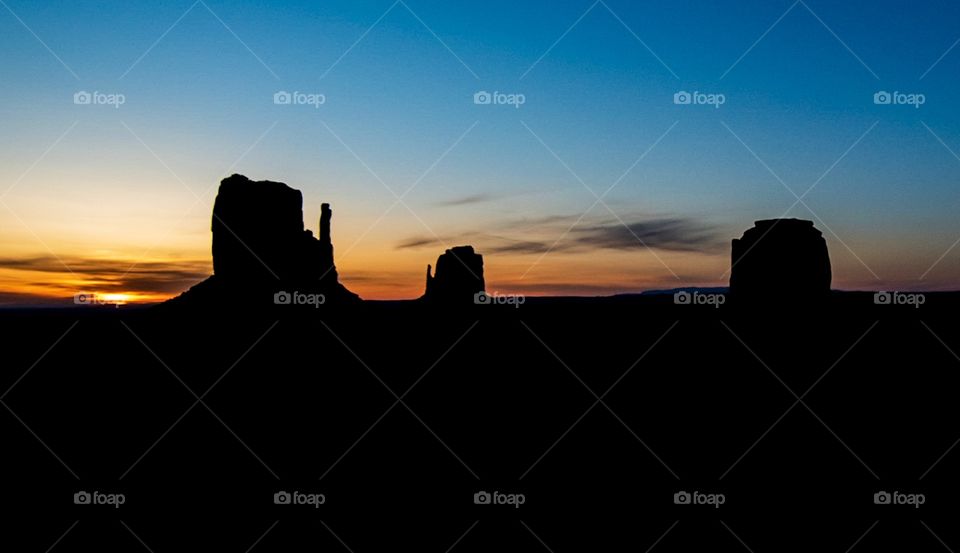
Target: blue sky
[136, 183]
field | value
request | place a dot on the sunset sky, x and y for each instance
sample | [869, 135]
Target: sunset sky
[599, 183]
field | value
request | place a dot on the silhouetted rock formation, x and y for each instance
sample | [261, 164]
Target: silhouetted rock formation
[260, 245]
[459, 276]
[780, 257]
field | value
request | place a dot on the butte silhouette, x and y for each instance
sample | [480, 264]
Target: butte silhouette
[260, 248]
[780, 258]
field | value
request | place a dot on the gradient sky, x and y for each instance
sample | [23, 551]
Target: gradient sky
[106, 199]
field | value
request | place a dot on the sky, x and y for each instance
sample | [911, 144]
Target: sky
[586, 173]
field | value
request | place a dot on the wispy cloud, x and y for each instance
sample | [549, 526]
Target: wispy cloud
[672, 234]
[465, 200]
[681, 234]
[94, 274]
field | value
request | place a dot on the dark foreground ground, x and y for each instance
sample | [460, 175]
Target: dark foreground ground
[597, 411]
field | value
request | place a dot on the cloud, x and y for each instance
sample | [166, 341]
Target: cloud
[673, 234]
[465, 200]
[519, 246]
[554, 234]
[158, 277]
[418, 242]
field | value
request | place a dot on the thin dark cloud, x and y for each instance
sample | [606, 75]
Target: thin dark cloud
[116, 274]
[682, 234]
[418, 242]
[672, 234]
[465, 200]
[519, 246]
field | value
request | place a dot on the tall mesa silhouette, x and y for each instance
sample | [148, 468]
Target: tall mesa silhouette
[780, 256]
[260, 247]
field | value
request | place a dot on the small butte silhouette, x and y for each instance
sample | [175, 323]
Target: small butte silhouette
[262, 252]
